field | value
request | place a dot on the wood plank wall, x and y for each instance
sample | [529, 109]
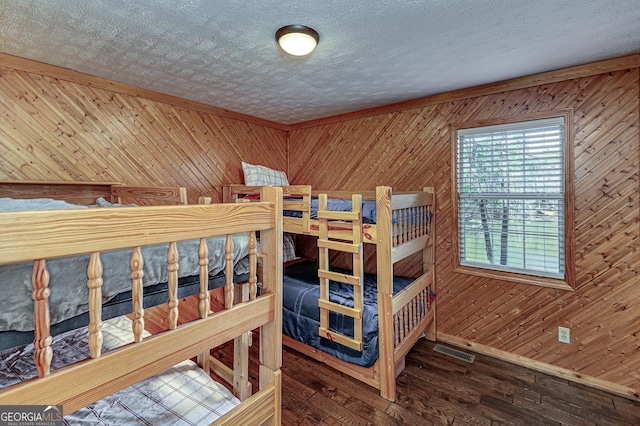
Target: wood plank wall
[57, 125]
[410, 147]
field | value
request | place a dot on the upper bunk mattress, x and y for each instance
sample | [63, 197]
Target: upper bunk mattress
[69, 293]
[368, 209]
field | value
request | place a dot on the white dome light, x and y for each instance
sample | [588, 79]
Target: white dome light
[297, 40]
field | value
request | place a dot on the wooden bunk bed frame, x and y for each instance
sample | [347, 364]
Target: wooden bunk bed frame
[39, 235]
[87, 192]
[403, 317]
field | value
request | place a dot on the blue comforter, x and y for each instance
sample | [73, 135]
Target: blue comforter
[368, 209]
[301, 314]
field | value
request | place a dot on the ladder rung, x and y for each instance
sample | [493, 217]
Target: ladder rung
[295, 205]
[333, 215]
[340, 338]
[340, 226]
[344, 310]
[341, 278]
[339, 246]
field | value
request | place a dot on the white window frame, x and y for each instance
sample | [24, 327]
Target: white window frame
[560, 196]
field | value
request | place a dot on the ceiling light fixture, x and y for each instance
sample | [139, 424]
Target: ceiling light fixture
[297, 40]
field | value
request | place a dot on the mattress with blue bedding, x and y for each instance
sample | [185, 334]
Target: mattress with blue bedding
[301, 314]
[68, 302]
[368, 209]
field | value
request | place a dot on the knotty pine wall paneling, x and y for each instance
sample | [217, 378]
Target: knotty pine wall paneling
[59, 125]
[410, 148]
[56, 125]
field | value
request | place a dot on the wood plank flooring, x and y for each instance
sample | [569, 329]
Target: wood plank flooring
[436, 389]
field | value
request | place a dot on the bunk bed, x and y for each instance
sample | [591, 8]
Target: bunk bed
[66, 314]
[361, 324]
[123, 362]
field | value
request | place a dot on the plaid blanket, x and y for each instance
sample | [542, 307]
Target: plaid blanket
[181, 395]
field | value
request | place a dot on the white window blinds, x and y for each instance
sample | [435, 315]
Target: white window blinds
[510, 182]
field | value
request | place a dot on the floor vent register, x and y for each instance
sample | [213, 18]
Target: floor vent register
[463, 356]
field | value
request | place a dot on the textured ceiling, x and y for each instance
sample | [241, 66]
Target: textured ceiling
[371, 52]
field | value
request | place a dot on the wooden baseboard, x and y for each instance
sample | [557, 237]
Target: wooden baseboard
[543, 367]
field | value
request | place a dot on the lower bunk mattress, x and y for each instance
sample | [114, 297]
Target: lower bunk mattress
[301, 314]
[183, 394]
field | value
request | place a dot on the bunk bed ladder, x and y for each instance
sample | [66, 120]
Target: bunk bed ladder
[347, 242]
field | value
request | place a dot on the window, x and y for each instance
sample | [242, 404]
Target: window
[510, 185]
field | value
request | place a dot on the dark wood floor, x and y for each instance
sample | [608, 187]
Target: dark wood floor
[436, 389]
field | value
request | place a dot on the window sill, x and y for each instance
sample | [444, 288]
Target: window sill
[517, 278]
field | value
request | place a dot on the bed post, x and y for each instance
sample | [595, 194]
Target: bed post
[40, 295]
[271, 333]
[226, 194]
[429, 264]
[385, 290]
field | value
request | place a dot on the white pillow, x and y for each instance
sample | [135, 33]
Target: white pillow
[263, 176]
